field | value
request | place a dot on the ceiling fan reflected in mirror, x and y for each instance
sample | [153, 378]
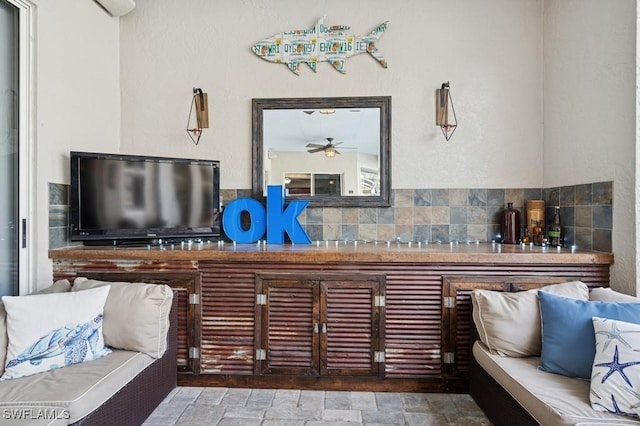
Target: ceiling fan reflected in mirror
[329, 148]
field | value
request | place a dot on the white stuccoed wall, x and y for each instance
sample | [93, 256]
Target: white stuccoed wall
[77, 98]
[590, 110]
[490, 51]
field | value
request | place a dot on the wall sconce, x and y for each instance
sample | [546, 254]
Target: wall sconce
[445, 113]
[201, 102]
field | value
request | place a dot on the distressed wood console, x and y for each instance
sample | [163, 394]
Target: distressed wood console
[330, 315]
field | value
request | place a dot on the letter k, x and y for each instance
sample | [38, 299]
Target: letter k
[280, 221]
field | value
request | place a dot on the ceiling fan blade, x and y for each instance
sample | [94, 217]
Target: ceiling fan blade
[314, 145]
[338, 143]
[312, 151]
[337, 152]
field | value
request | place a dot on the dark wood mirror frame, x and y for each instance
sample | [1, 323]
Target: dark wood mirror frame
[382, 102]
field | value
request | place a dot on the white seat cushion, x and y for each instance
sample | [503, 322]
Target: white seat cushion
[79, 388]
[551, 399]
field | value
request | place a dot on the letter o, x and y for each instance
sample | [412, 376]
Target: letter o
[232, 220]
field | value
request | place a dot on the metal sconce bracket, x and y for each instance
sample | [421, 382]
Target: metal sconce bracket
[445, 113]
[201, 102]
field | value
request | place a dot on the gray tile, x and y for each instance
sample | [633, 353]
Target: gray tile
[201, 415]
[602, 193]
[311, 399]
[477, 197]
[342, 416]
[495, 197]
[58, 194]
[315, 232]
[458, 215]
[230, 421]
[603, 217]
[211, 396]
[584, 194]
[386, 215]
[583, 216]
[458, 233]
[530, 194]
[602, 240]
[388, 401]
[386, 417]
[349, 232]
[422, 233]
[440, 233]
[58, 216]
[315, 215]
[420, 419]
[260, 398]
[337, 400]
[476, 215]
[439, 197]
[58, 237]
[422, 197]
[292, 413]
[584, 238]
[363, 401]
[368, 216]
[283, 423]
[245, 412]
[236, 397]
[459, 197]
[403, 197]
[567, 195]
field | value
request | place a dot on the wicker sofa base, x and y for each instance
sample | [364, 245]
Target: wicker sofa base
[132, 404]
[498, 405]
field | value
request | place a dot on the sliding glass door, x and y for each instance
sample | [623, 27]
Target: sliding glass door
[10, 225]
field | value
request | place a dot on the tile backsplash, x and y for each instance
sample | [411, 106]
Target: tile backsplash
[424, 214]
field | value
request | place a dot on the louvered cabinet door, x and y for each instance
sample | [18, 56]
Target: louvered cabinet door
[351, 339]
[289, 328]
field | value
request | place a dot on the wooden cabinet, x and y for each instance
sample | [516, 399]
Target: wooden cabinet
[319, 325]
[249, 313]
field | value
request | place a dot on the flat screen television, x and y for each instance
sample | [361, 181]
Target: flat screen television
[118, 199]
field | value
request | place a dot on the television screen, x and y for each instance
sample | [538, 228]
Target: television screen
[126, 197]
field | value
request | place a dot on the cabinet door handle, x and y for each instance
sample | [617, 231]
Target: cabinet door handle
[324, 328]
[315, 328]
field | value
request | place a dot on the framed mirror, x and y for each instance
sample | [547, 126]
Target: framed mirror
[330, 151]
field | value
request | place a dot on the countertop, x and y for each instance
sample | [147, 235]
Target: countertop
[340, 251]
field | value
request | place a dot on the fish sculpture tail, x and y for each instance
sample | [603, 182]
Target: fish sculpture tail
[371, 39]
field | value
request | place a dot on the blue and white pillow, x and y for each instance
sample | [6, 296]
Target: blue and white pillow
[48, 331]
[615, 377]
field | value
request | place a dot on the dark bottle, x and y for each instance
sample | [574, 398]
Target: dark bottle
[510, 225]
[555, 230]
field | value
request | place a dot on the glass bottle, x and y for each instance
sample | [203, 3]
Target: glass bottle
[538, 236]
[510, 225]
[555, 230]
[526, 238]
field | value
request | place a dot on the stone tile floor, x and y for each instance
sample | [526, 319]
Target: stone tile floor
[284, 407]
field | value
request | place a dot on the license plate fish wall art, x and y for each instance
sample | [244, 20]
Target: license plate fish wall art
[321, 43]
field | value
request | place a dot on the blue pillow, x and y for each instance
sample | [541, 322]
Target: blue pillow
[568, 340]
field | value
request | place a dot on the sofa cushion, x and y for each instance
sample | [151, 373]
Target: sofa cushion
[48, 331]
[79, 389]
[615, 378]
[568, 341]
[605, 294]
[551, 399]
[60, 286]
[509, 323]
[146, 330]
